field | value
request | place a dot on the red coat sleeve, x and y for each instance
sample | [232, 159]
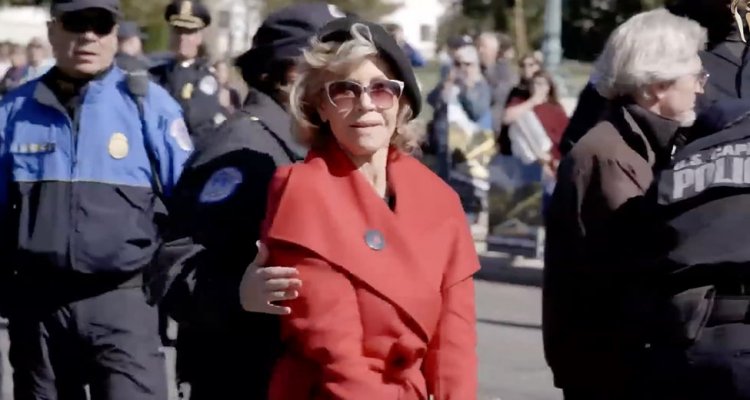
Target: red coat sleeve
[451, 363]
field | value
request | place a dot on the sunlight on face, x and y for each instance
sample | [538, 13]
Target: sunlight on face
[362, 123]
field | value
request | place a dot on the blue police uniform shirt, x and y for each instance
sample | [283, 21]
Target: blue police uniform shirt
[77, 192]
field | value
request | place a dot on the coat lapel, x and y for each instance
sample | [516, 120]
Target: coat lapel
[340, 208]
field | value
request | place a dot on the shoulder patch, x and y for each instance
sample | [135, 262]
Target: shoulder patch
[221, 185]
[179, 131]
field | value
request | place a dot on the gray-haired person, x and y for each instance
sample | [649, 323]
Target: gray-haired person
[601, 340]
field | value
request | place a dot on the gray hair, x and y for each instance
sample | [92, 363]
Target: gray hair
[650, 47]
[321, 60]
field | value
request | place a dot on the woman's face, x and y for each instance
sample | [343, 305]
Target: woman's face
[540, 86]
[677, 98]
[362, 106]
[529, 67]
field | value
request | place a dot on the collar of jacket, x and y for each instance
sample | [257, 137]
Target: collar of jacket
[657, 130]
[53, 81]
[274, 118]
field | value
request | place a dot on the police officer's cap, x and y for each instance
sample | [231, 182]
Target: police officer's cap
[187, 14]
[339, 31]
[59, 7]
[285, 33]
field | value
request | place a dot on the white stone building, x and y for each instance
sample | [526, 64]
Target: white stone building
[419, 19]
[233, 25]
[236, 21]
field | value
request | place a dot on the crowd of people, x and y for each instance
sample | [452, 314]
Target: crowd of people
[503, 122]
[20, 64]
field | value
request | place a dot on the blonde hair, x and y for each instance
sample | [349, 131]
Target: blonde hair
[319, 61]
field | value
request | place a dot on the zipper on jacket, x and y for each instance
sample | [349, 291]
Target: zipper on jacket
[73, 195]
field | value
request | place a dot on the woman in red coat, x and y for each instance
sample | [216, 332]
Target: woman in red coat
[386, 309]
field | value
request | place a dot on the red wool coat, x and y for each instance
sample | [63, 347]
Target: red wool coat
[386, 310]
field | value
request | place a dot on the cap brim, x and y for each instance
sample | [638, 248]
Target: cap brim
[65, 9]
[187, 24]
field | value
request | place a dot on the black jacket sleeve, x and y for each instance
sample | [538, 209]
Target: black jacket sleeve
[222, 229]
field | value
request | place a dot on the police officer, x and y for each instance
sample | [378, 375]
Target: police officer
[189, 77]
[704, 197]
[130, 48]
[81, 173]
[221, 201]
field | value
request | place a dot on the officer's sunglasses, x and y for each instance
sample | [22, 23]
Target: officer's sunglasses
[383, 93]
[78, 23]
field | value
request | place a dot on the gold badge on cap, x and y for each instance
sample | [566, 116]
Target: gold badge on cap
[118, 146]
[187, 91]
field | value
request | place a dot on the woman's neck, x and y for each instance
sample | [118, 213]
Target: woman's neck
[373, 167]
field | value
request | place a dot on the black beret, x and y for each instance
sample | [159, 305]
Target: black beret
[187, 14]
[285, 33]
[339, 31]
[59, 7]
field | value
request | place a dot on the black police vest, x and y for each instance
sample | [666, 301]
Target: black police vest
[705, 197]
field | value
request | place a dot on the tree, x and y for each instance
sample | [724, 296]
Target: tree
[586, 23]
[150, 15]
[372, 10]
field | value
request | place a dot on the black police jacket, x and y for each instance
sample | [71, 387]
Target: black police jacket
[194, 86]
[219, 205]
[704, 198]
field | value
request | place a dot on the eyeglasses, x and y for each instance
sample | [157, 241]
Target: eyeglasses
[383, 93]
[702, 77]
[77, 23]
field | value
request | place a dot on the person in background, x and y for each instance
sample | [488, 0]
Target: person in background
[219, 205]
[452, 45]
[38, 59]
[130, 47]
[415, 57]
[603, 336]
[5, 63]
[545, 105]
[229, 97]
[529, 66]
[189, 78]
[466, 87]
[384, 312]
[14, 76]
[496, 53]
